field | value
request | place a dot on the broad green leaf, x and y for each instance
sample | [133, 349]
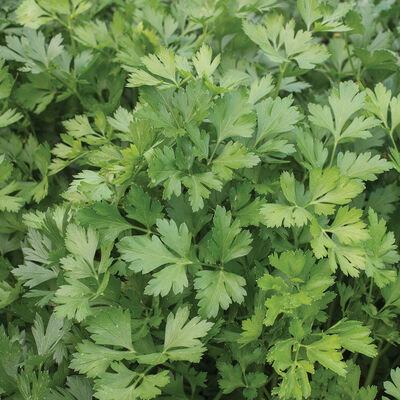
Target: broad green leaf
[392, 387]
[363, 166]
[298, 46]
[125, 384]
[218, 289]
[31, 15]
[141, 208]
[231, 377]
[326, 352]
[309, 11]
[203, 62]
[162, 65]
[232, 117]
[199, 186]
[94, 360]
[182, 336]
[381, 250]
[275, 116]
[344, 101]
[9, 117]
[111, 327]
[226, 241]
[105, 218]
[145, 255]
[233, 156]
[355, 337]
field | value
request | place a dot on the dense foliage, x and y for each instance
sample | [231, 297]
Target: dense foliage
[199, 199]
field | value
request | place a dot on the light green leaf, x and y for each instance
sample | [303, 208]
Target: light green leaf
[182, 336]
[203, 62]
[226, 241]
[326, 352]
[198, 187]
[354, 336]
[9, 117]
[231, 117]
[233, 156]
[218, 289]
[111, 327]
[362, 166]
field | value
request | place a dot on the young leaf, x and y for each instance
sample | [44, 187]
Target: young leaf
[111, 327]
[218, 289]
[182, 336]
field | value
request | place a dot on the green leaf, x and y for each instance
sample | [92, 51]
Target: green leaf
[309, 11]
[260, 88]
[105, 218]
[47, 340]
[326, 352]
[9, 117]
[139, 77]
[198, 187]
[362, 166]
[231, 377]
[298, 46]
[348, 227]
[73, 300]
[218, 289]
[162, 65]
[378, 102]
[93, 360]
[203, 64]
[31, 49]
[129, 385]
[393, 388]
[233, 156]
[141, 208]
[381, 250]
[182, 336]
[31, 15]
[162, 168]
[81, 243]
[111, 327]
[275, 116]
[33, 274]
[345, 101]
[226, 241]
[145, 255]
[351, 258]
[354, 336]
[252, 327]
[231, 117]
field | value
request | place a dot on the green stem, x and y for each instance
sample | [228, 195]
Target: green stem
[333, 153]
[374, 364]
[142, 375]
[218, 396]
[213, 152]
[391, 137]
[353, 68]
[269, 397]
[372, 369]
[331, 311]
[278, 84]
[371, 285]
[71, 36]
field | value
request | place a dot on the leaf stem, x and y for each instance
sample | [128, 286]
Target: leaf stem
[333, 153]
[279, 83]
[213, 152]
[356, 73]
[267, 393]
[218, 396]
[374, 364]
